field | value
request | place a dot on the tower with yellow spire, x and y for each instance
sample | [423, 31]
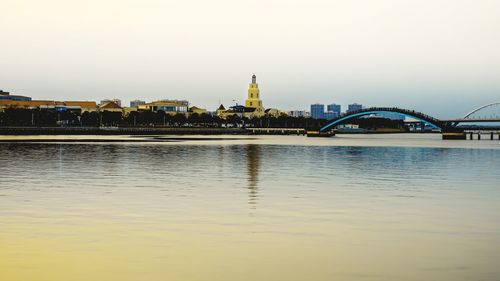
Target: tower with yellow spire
[253, 99]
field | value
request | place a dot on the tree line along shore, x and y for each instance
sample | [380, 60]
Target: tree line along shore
[20, 120]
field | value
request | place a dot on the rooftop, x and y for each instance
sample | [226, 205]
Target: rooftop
[35, 103]
[110, 105]
[168, 102]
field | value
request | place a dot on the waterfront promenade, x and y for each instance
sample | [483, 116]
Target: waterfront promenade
[119, 131]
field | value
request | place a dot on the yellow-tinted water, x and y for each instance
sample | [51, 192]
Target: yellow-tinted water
[261, 209]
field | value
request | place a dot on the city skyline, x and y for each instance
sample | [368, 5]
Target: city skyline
[411, 54]
[305, 108]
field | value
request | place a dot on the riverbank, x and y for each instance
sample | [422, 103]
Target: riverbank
[355, 140]
[97, 131]
[119, 131]
[145, 131]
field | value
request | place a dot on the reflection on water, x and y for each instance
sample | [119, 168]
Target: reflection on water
[252, 153]
[227, 211]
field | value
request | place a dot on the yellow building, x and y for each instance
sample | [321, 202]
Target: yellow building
[253, 104]
[221, 111]
[253, 99]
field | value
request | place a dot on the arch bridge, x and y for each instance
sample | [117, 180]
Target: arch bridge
[377, 110]
[480, 115]
[490, 105]
[449, 128]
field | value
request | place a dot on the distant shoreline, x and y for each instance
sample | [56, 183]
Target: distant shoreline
[150, 131]
[119, 131]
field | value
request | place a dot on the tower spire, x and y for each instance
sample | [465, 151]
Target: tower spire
[253, 100]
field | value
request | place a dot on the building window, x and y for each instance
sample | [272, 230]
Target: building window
[251, 96]
[251, 103]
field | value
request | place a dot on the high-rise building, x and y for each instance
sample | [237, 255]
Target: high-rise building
[329, 115]
[136, 103]
[334, 108]
[253, 100]
[354, 107]
[317, 111]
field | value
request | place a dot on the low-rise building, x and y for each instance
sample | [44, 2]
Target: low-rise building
[197, 110]
[4, 104]
[8, 96]
[117, 101]
[136, 103]
[348, 126]
[274, 112]
[298, 113]
[169, 106]
[110, 107]
[220, 111]
[85, 106]
[237, 110]
[81, 106]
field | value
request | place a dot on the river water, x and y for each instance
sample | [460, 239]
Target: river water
[391, 207]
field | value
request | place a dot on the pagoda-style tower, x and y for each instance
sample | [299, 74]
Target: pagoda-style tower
[253, 99]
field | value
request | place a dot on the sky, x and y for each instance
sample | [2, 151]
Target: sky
[441, 57]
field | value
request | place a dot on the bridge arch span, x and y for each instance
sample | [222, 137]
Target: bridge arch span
[374, 110]
[481, 108]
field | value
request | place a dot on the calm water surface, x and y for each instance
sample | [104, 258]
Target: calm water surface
[271, 208]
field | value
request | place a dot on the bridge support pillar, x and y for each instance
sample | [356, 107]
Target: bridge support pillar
[478, 136]
[471, 136]
[491, 136]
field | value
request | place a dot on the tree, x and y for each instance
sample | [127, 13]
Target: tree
[110, 118]
[69, 117]
[234, 120]
[90, 119]
[217, 121]
[45, 117]
[18, 116]
[131, 118]
[194, 119]
[179, 119]
[160, 118]
[146, 117]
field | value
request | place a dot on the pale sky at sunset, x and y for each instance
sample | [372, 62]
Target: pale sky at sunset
[438, 56]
